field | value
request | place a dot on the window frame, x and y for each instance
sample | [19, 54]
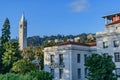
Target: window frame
[60, 73]
[52, 59]
[117, 56]
[105, 44]
[117, 73]
[79, 73]
[86, 72]
[61, 59]
[116, 43]
[78, 58]
[52, 72]
[85, 58]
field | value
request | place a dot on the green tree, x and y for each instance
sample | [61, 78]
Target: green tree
[34, 53]
[23, 66]
[33, 75]
[100, 67]
[10, 55]
[39, 56]
[4, 38]
[40, 75]
[5, 32]
[28, 53]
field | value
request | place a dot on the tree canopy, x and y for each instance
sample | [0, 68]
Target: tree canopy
[5, 32]
[100, 67]
[23, 66]
[4, 38]
[10, 55]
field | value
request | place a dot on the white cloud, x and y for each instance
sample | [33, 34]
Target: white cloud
[79, 5]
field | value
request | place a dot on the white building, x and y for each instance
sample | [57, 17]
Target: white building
[108, 41]
[22, 33]
[66, 61]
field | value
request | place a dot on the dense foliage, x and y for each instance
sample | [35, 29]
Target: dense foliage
[4, 38]
[34, 53]
[10, 55]
[23, 66]
[33, 75]
[5, 32]
[38, 41]
[100, 67]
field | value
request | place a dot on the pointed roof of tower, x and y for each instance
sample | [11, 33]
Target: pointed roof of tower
[23, 17]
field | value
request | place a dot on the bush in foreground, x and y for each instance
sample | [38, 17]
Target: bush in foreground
[33, 75]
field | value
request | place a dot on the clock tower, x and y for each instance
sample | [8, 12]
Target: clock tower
[22, 33]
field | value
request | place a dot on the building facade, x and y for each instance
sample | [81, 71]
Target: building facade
[22, 33]
[66, 61]
[108, 41]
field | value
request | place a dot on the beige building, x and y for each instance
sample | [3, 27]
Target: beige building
[22, 33]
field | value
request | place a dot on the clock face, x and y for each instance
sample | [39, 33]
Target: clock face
[20, 26]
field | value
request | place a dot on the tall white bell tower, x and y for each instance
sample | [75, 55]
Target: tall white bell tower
[22, 33]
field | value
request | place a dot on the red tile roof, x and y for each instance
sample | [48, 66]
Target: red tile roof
[76, 43]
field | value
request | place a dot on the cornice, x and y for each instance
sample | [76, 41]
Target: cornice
[107, 34]
[70, 48]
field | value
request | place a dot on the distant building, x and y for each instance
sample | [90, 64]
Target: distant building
[22, 33]
[70, 40]
[58, 40]
[66, 61]
[90, 36]
[49, 41]
[76, 39]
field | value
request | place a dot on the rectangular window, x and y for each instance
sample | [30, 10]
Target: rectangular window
[85, 58]
[117, 56]
[86, 72]
[117, 72]
[116, 43]
[105, 44]
[79, 73]
[52, 59]
[52, 72]
[60, 59]
[60, 73]
[78, 58]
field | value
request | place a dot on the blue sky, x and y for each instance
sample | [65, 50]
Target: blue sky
[52, 17]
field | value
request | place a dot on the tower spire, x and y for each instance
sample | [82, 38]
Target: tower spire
[23, 17]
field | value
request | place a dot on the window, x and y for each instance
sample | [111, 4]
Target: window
[52, 59]
[85, 58]
[86, 72]
[79, 73]
[116, 43]
[117, 56]
[60, 59]
[52, 72]
[60, 73]
[117, 72]
[105, 44]
[78, 58]
[116, 28]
